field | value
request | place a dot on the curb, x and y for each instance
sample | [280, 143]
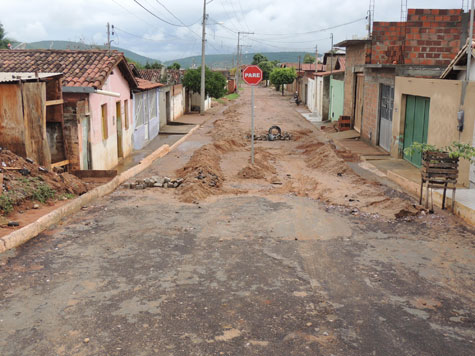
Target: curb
[412, 188]
[18, 237]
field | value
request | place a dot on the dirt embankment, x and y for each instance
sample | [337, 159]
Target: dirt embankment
[305, 166]
[25, 183]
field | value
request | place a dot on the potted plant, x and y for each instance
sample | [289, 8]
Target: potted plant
[440, 166]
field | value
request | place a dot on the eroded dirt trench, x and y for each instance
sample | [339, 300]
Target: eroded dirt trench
[307, 165]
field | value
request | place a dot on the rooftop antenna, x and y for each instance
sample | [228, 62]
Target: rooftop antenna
[404, 10]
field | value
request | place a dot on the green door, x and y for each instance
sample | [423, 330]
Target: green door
[337, 93]
[416, 125]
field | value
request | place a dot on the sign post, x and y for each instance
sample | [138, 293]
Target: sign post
[252, 75]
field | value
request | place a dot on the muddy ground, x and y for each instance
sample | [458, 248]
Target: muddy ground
[299, 256]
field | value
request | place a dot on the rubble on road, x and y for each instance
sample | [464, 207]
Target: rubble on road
[154, 182]
[23, 182]
[274, 134]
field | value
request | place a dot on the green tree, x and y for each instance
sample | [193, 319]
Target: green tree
[267, 68]
[281, 76]
[308, 58]
[258, 58]
[137, 64]
[3, 40]
[156, 65]
[175, 65]
[215, 83]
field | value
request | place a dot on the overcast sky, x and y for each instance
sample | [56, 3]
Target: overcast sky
[279, 25]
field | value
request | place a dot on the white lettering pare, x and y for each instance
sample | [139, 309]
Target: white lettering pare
[252, 75]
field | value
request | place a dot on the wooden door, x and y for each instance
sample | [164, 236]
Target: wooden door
[118, 111]
[416, 125]
[358, 114]
[386, 103]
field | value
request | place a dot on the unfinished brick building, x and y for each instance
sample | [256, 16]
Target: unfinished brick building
[420, 47]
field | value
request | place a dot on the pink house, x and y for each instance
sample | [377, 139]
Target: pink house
[97, 101]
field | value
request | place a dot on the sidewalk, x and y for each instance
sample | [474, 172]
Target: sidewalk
[168, 135]
[385, 169]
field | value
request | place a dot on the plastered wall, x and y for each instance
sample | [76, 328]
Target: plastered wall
[444, 104]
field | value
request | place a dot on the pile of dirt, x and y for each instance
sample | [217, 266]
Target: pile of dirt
[322, 156]
[262, 167]
[25, 181]
[202, 175]
[228, 145]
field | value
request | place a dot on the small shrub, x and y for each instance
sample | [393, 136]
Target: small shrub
[42, 193]
[6, 203]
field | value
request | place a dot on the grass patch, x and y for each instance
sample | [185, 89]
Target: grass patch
[6, 203]
[232, 96]
[42, 193]
[67, 196]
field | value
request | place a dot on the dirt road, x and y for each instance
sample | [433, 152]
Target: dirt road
[297, 255]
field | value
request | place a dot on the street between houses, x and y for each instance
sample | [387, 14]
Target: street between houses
[296, 255]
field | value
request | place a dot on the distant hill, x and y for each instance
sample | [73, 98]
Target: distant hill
[77, 45]
[226, 60]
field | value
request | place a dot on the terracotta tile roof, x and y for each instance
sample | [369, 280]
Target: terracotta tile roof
[306, 67]
[152, 75]
[327, 73]
[146, 85]
[80, 68]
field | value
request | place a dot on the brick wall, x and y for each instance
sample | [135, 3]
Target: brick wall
[373, 79]
[429, 37]
[355, 55]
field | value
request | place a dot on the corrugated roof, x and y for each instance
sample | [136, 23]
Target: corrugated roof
[8, 77]
[460, 57]
[80, 68]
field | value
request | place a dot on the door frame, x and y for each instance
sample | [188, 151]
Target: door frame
[425, 127]
[355, 106]
[378, 136]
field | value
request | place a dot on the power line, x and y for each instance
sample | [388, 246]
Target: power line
[230, 17]
[171, 13]
[158, 17]
[279, 47]
[314, 31]
[130, 12]
[243, 17]
[149, 39]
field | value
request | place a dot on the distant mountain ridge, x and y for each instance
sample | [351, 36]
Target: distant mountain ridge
[78, 45]
[228, 60]
[212, 60]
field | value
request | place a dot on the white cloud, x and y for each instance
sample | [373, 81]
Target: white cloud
[34, 30]
[138, 30]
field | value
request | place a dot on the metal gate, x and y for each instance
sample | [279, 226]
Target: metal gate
[416, 125]
[386, 104]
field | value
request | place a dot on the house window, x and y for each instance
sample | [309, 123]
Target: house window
[105, 133]
[126, 114]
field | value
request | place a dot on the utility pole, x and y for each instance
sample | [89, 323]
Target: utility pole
[316, 58]
[298, 81]
[238, 69]
[203, 64]
[470, 42]
[331, 57]
[109, 41]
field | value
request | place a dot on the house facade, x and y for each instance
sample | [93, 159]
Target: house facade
[97, 92]
[420, 47]
[146, 112]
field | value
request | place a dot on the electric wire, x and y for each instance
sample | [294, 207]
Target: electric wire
[156, 16]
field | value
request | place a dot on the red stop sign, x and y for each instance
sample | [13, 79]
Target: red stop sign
[252, 75]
